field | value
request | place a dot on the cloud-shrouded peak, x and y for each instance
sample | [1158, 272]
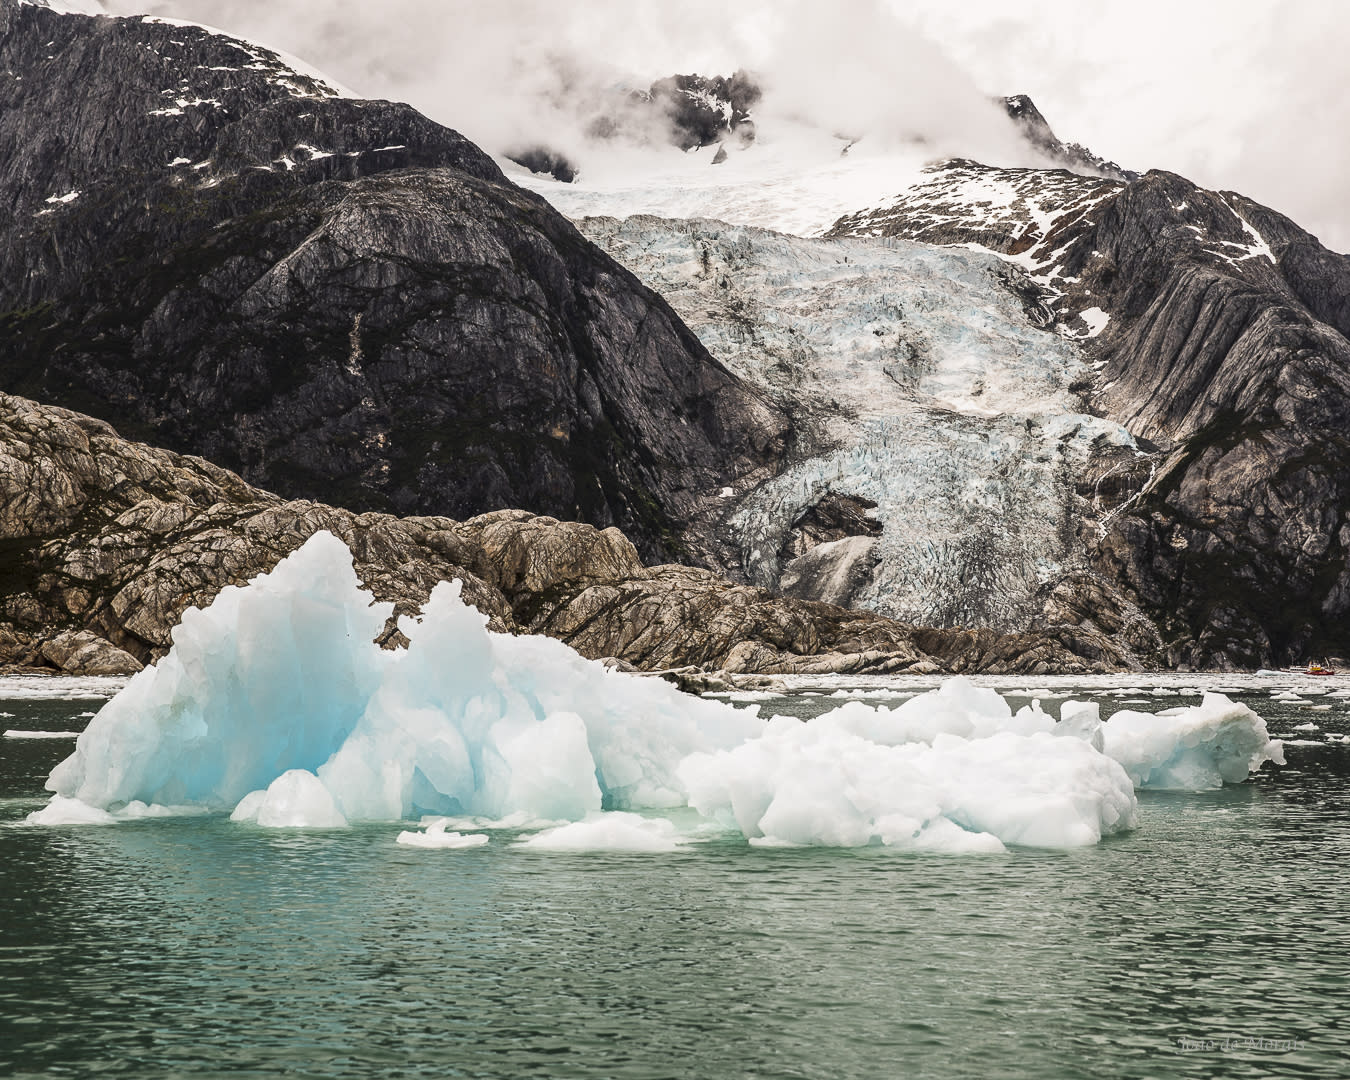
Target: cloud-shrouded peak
[527, 75]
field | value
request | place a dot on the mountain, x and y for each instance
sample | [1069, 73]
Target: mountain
[1179, 364]
[1089, 413]
[1216, 329]
[337, 298]
[1037, 131]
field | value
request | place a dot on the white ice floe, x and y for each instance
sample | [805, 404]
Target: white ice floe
[1203, 747]
[435, 836]
[275, 703]
[59, 687]
[17, 734]
[615, 831]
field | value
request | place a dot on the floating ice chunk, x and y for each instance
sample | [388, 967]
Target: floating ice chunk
[18, 734]
[822, 784]
[435, 836]
[615, 831]
[1204, 747]
[1307, 727]
[270, 677]
[294, 800]
[66, 811]
[276, 702]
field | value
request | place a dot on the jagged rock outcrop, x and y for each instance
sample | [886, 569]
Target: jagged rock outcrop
[1218, 330]
[107, 539]
[339, 299]
[1037, 131]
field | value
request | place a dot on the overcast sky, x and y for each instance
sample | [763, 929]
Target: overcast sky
[1241, 94]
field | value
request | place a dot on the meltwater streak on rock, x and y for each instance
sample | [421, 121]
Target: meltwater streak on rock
[277, 702]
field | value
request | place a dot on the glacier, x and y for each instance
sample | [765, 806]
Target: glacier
[917, 379]
[276, 706]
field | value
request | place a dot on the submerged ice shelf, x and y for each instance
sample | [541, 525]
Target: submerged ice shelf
[275, 706]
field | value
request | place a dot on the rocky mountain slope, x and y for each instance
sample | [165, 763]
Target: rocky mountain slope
[105, 542]
[337, 298]
[1217, 332]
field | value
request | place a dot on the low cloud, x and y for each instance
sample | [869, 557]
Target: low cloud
[523, 72]
[1237, 96]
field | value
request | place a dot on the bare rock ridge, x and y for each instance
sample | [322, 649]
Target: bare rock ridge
[1037, 131]
[687, 111]
[1218, 329]
[338, 299]
[105, 542]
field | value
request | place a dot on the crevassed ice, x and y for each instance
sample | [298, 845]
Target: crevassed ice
[916, 381]
[275, 704]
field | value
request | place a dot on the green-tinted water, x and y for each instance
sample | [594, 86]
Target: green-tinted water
[197, 947]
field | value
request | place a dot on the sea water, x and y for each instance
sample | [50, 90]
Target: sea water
[1212, 940]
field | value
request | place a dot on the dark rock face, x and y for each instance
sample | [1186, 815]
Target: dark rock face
[339, 299]
[1219, 328]
[834, 517]
[105, 542]
[539, 159]
[1036, 130]
[702, 110]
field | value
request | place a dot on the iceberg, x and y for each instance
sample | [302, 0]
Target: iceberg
[276, 706]
[1197, 749]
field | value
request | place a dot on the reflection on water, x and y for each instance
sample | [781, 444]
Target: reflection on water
[197, 947]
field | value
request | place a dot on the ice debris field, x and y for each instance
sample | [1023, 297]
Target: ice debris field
[275, 706]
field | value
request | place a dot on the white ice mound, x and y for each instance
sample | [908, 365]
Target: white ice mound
[435, 836]
[1196, 749]
[819, 783]
[295, 799]
[617, 831]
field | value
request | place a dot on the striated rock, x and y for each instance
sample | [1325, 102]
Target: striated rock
[339, 300]
[833, 572]
[78, 652]
[114, 539]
